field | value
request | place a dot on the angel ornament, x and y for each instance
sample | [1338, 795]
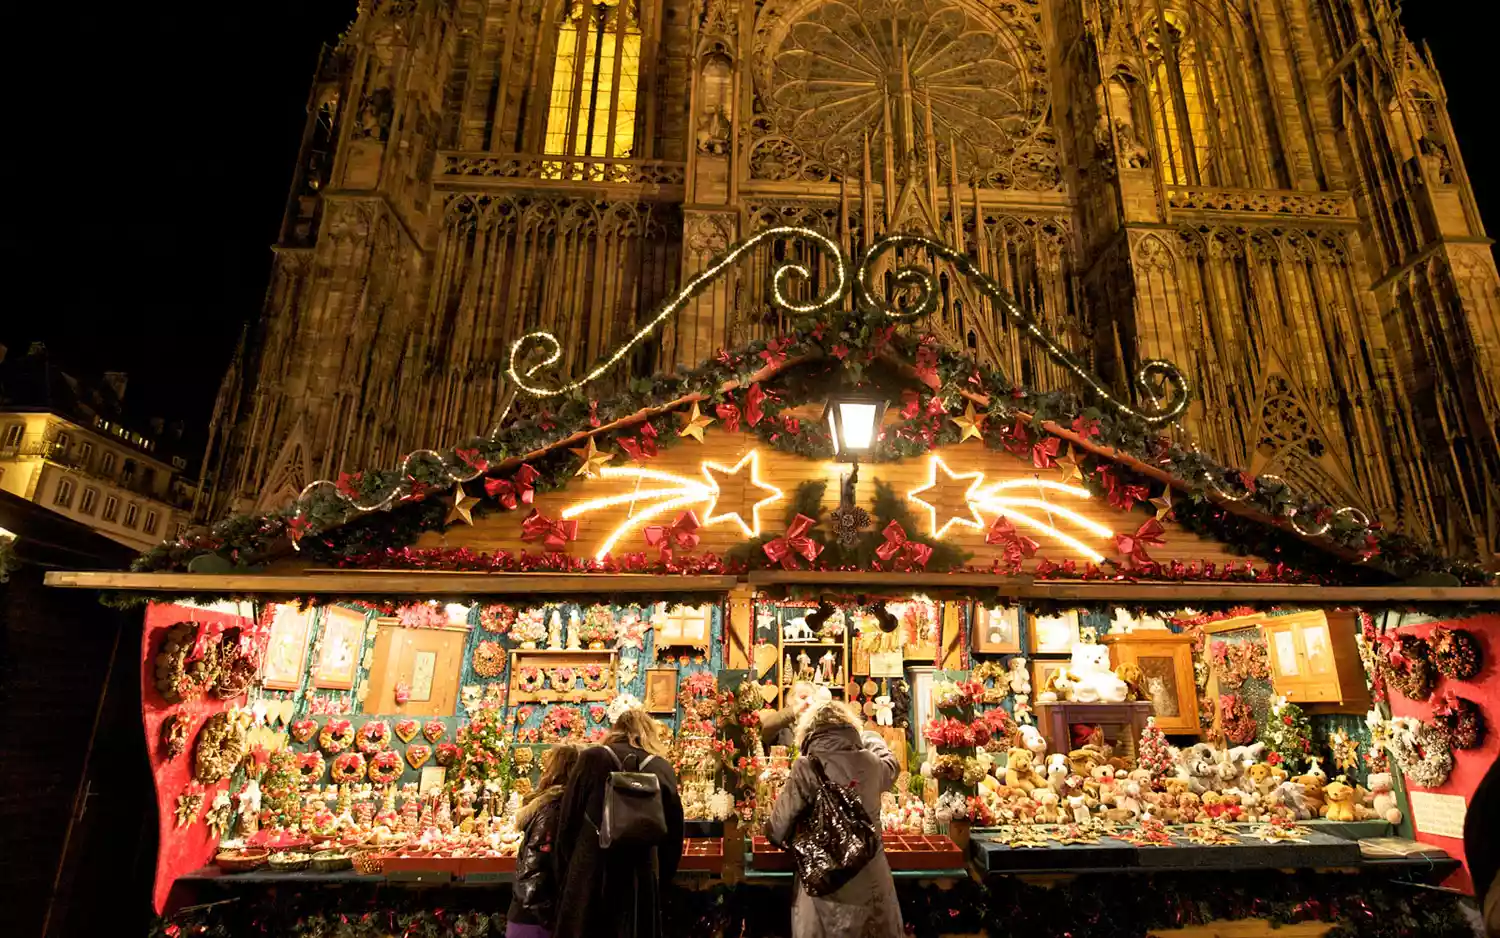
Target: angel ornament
[573, 627]
[554, 632]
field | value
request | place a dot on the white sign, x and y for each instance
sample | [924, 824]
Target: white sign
[1442, 815]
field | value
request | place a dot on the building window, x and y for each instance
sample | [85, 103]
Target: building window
[64, 495]
[150, 526]
[111, 508]
[13, 434]
[86, 503]
[107, 465]
[594, 77]
[1183, 90]
[85, 452]
[62, 444]
[132, 511]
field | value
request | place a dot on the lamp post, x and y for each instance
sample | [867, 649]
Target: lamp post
[854, 425]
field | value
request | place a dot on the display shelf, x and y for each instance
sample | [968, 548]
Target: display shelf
[1321, 850]
[904, 852]
[702, 854]
[575, 658]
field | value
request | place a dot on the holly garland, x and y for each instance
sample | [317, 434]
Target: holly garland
[753, 388]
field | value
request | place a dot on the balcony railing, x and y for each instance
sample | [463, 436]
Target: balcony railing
[524, 167]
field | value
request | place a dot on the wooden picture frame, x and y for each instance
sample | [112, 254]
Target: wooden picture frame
[661, 690]
[997, 630]
[1054, 635]
[340, 648]
[286, 649]
[922, 635]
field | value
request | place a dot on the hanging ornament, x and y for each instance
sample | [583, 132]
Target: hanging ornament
[1461, 720]
[970, 424]
[1163, 505]
[1421, 752]
[848, 523]
[462, 506]
[188, 804]
[784, 549]
[1072, 470]
[593, 460]
[694, 423]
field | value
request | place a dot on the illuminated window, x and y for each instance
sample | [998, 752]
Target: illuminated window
[150, 526]
[111, 508]
[1180, 104]
[594, 79]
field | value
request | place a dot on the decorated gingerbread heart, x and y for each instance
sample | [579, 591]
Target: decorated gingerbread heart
[447, 753]
[435, 730]
[303, 730]
[418, 755]
[406, 730]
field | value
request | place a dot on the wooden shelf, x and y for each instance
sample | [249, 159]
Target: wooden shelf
[596, 652]
[576, 658]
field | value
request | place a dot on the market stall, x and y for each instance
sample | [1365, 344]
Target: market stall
[1097, 652]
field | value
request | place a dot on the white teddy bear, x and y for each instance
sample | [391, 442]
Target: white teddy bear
[1091, 680]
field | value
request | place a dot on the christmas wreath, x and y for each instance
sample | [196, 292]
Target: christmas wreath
[374, 736]
[529, 680]
[1455, 653]
[180, 676]
[174, 736]
[595, 677]
[489, 659]
[349, 767]
[310, 766]
[1461, 720]
[562, 723]
[385, 767]
[221, 746]
[336, 736]
[497, 618]
[1408, 666]
[561, 679]
[1421, 753]
[1237, 720]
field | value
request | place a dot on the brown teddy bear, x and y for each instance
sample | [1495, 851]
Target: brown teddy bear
[1262, 778]
[1084, 761]
[1134, 678]
[1339, 802]
[1020, 771]
[1189, 807]
[1312, 792]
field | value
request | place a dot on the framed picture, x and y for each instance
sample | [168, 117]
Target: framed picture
[1054, 635]
[661, 690]
[1042, 672]
[997, 631]
[922, 679]
[339, 649]
[286, 651]
[920, 623]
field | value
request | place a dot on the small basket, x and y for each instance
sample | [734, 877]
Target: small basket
[331, 861]
[369, 862]
[288, 863]
[242, 861]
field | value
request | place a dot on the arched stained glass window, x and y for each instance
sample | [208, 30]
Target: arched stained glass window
[594, 81]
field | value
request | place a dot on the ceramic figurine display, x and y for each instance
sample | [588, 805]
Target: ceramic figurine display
[554, 632]
[574, 625]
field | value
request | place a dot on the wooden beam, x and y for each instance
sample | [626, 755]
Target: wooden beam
[402, 582]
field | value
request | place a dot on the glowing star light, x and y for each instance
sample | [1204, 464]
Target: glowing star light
[939, 483]
[735, 490]
[695, 424]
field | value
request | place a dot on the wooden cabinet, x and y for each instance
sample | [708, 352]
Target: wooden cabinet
[1166, 663]
[1121, 723]
[1315, 659]
[427, 661]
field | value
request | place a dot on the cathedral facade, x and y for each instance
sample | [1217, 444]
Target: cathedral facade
[1267, 193]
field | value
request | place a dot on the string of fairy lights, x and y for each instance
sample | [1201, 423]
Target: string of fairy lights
[681, 492]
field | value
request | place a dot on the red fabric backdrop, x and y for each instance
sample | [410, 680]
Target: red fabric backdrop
[179, 850]
[1469, 765]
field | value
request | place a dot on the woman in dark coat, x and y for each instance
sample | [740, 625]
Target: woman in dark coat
[615, 893]
[533, 903]
[866, 906]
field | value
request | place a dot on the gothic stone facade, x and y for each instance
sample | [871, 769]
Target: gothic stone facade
[1266, 192]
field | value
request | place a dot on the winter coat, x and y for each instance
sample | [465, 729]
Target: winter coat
[866, 906]
[777, 727]
[612, 893]
[534, 896]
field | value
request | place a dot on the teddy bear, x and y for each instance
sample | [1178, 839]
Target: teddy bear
[1176, 786]
[1200, 764]
[1101, 782]
[1260, 778]
[1020, 772]
[1382, 799]
[1019, 676]
[1339, 802]
[1084, 761]
[1128, 798]
[1292, 797]
[1134, 678]
[1250, 802]
[1232, 809]
[1213, 806]
[1078, 809]
[1188, 807]
[1049, 810]
[1089, 678]
[1312, 792]
[1057, 772]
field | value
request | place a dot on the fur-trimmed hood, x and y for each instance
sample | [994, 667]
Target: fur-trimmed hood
[529, 810]
[833, 719]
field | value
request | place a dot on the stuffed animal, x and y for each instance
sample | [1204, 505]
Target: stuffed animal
[1084, 761]
[1103, 780]
[1260, 778]
[1312, 792]
[1048, 811]
[1339, 803]
[1079, 810]
[1057, 772]
[1188, 807]
[883, 707]
[1250, 802]
[1090, 678]
[1200, 764]
[1018, 677]
[1128, 798]
[1382, 799]
[1292, 796]
[1020, 772]
[1033, 740]
[1177, 786]
[1232, 809]
[1134, 678]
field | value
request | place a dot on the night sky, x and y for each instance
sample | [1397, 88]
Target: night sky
[150, 147]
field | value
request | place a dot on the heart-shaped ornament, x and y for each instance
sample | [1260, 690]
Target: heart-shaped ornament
[765, 659]
[768, 692]
[418, 755]
[303, 730]
[407, 729]
[435, 730]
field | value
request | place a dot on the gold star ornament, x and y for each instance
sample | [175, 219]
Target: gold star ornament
[970, 424]
[1163, 505]
[593, 460]
[462, 509]
[695, 423]
[1071, 470]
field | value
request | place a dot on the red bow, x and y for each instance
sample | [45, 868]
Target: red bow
[900, 552]
[554, 535]
[1133, 546]
[472, 459]
[1120, 494]
[1017, 546]
[683, 533]
[730, 415]
[784, 549]
[1017, 441]
[911, 404]
[518, 489]
[753, 400]
[1044, 454]
[1086, 427]
[642, 449]
[1448, 708]
[1391, 645]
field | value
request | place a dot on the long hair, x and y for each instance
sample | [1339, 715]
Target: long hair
[557, 767]
[635, 728]
[822, 716]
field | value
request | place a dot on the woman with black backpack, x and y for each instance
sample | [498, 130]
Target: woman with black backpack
[533, 903]
[832, 751]
[620, 835]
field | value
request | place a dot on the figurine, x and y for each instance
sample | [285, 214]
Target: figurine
[839, 679]
[1018, 677]
[827, 666]
[883, 707]
[786, 669]
[1381, 799]
[796, 630]
[554, 632]
[573, 627]
[804, 665]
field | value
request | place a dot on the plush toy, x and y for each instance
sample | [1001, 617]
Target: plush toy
[1339, 803]
[1134, 678]
[1128, 798]
[1020, 772]
[1312, 792]
[1048, 811]
[1089, 676]
[1382, 799]
[1079, 809]
[1188, 807]
[1084, 761]
[1177, 786]
[1259, 777]
[883, 707]
[1057, 772]
[1018, 677]
[1102, 778]
[1200, 764]
[1213, 806]
[1250, 802]
[1232, 809]
[1033, 740]
[1292, 796]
